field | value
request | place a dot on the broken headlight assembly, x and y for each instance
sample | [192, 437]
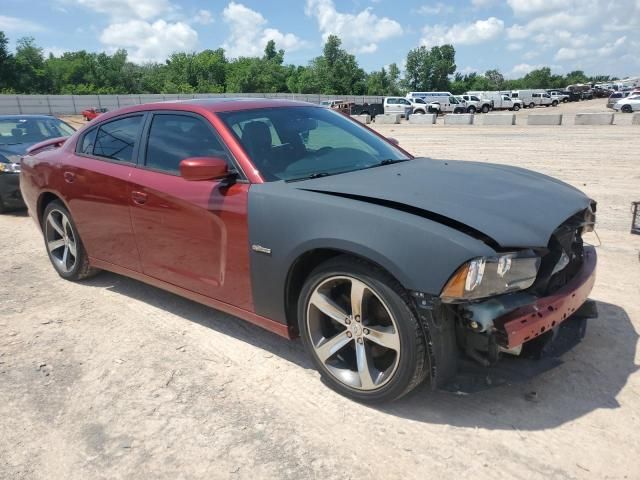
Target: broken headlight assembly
[484, 277]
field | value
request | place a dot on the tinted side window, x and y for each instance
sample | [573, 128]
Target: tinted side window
[88, 140]
[115, 140]
[172, 138]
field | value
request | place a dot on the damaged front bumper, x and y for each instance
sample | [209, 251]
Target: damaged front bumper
[532, 320]
[512, 320]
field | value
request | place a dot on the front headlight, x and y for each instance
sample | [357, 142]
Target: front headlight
[488, 276]
[12, 166]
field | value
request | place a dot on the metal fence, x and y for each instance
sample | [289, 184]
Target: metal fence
[74, 104]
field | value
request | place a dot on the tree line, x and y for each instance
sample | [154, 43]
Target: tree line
[335, 72]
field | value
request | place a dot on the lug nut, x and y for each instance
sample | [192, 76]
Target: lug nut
[365, 331]
[349, 334]
[360, 340]
[357, 318]
[347, 320]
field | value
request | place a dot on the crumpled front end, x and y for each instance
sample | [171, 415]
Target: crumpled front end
[507, 323]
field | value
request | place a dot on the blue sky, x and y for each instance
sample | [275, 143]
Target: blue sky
[515, 36]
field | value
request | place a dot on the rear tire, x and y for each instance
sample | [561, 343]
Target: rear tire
[471, 109]
[532, 105]
[485, 109]
[359, 328]
[554, 103]
[64, 246]
[516, 108]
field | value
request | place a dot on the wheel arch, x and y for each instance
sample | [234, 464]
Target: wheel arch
[44, 199]
[306, 262]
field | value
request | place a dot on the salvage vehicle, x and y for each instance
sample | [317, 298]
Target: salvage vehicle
[628, 105]
[17, 134]
[439, 102]
[307, 223]
[399, 105]
[91, 113]
[476, 103]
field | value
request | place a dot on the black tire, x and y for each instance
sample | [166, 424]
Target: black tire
[554, 103]
[485, 109]
[565, 100]
[471, 109]
[532, 105]
[627, 109]
[412, 362]
[516, 107]
[80, 269]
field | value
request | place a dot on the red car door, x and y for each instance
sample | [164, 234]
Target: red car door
[96, 185]
[192, 234]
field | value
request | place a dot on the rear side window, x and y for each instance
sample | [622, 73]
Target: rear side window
[116, 140]
[88, 141]
[172, 138]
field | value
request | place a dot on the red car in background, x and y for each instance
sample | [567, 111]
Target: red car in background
[305, 222]
[91, 113]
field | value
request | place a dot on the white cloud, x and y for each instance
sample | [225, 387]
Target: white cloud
[248, 35]
[147, 41]
[527, 7]
[126, 9]
[462, 33]
[524, 68]
[203, 17]
[360, 32]
[55, 51]
[435, 9]
[514, 47]
[482, 3]
[19, 25]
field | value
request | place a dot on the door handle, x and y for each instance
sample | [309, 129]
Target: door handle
[69, 177]
[139, 198]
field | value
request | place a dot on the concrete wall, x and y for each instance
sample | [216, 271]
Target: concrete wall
[388, 118]
[594, 118]
[423, 119]
[499, 119]
[635, 120]
[545, 119]
[74, 104]
[459, 119]
[366, 119]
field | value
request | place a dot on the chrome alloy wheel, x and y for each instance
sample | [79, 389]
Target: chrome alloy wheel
[353, 333]
[61, 241]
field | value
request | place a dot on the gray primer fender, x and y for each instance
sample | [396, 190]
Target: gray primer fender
[421, 254]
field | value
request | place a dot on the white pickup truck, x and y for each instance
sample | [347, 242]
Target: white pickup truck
[477, 104]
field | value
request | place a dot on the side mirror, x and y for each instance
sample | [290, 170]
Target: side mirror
[393, 140]
[203, 168]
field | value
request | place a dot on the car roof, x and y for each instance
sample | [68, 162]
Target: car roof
[213, 105]
[18, 116]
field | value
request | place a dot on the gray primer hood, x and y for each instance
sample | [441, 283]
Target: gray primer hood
[510, 205]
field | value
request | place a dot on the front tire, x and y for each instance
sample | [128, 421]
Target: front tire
[516, 107]
[532, 105]
[64, 247]
[554, 103]
[357, 325]
[471, 109]
[627, 108]
[485, 109]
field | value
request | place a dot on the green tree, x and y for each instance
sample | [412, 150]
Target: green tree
[495, 79]
[6, 64]
[30, 74]
[430, 69]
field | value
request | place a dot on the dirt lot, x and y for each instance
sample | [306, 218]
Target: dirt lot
[115, 379]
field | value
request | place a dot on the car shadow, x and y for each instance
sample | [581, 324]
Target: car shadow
[587, 377]
[22, 212]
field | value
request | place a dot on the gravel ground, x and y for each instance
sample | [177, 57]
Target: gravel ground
[111, 378]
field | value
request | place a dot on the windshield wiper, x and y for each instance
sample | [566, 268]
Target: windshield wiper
[310, 177]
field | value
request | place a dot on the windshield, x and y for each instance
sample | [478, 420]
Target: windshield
[291, 143]
[17, 130]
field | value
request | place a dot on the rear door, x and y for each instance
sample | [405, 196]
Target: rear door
[98, 186]
[192, 234]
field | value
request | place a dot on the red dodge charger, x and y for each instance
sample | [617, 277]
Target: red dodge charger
[294, 217]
